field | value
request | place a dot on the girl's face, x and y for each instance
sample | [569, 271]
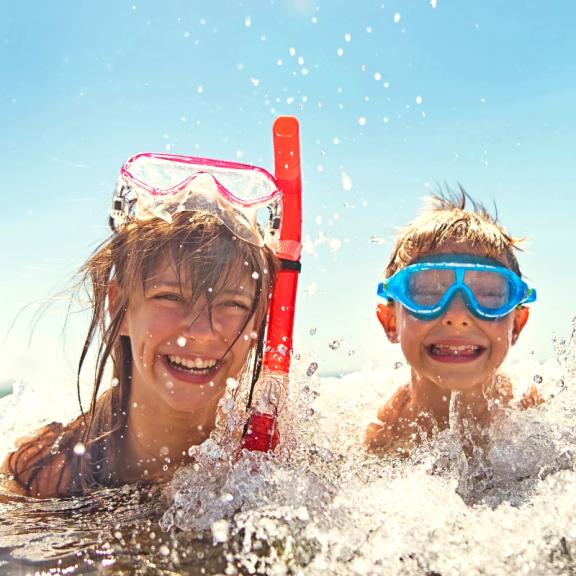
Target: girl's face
[183, 354]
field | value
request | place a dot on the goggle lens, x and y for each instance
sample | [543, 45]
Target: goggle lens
[426, 288]
[492, 290]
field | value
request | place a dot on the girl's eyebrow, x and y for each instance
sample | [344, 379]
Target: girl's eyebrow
[173, 285]
[161, 284]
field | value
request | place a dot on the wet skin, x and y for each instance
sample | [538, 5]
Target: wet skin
[455, 352]
[182, 358]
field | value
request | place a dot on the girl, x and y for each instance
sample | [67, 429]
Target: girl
[179, 295]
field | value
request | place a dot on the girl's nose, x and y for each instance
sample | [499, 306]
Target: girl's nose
[457, 313]
[199, 325]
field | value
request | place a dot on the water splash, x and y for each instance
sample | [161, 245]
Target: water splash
[321, 505]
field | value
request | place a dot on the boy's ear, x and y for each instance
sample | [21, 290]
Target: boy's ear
[387, 317]
[521, 315]
[114, 303]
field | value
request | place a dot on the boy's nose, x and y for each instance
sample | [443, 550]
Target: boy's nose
[457, 313]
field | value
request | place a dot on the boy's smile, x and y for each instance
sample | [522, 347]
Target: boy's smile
[455, 351]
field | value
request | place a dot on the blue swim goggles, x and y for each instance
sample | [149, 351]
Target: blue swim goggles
[426, 288]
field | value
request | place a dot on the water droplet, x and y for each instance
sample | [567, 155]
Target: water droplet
[398, 365]
[538, 379]
[313, 331]
[418, 99]
[282, 350]
[220, 530]
[334, 345]
[181, 341]
[397, 17]
[346, 182]
[362, 121]
[311, 369]
[310, 412]
[164, 451]
[347, 37]
[312, 288]
[255, 82]
[247, 21]
[377, 240]
[79, 449]
[164, 550]
[114, 382]
[255, 275]
[377, 76]
[231, 383]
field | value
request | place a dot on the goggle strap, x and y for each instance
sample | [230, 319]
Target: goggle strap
[294, 265]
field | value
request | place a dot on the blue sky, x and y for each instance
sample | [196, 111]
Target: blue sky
[393, 98]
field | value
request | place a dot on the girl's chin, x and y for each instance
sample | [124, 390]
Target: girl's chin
[188, 400]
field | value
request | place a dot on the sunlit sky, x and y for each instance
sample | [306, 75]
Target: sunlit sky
[394, 98]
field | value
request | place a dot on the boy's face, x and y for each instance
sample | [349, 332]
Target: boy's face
[457, 350]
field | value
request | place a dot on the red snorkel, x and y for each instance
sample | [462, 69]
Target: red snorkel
[262, 431]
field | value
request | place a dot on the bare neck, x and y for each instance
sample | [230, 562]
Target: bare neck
[157, 440]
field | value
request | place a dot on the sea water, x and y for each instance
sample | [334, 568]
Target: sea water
[321, 505]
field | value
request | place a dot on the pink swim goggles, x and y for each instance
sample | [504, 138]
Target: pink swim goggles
[160, 185]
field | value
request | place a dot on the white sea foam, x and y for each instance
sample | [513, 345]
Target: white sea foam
[321, 505]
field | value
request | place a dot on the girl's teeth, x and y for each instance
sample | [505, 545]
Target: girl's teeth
[192, 364]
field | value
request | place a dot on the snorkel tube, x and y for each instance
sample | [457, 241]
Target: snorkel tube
[262, 428]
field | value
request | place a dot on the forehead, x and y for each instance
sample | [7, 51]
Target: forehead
[185, 276]
[466, 249]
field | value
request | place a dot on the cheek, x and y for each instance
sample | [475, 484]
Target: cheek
[501, 335]
[245, 342]
[152, 327]
[410, 328]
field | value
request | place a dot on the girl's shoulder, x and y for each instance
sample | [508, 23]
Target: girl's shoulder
[39, 466]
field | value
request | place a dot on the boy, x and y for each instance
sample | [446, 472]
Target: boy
[455, 303]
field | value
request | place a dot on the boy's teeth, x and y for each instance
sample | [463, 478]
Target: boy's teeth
[192, 364]
[450, 350]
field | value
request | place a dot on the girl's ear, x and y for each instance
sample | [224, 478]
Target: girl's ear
[114, 304]
[521, 315]
[387, 317]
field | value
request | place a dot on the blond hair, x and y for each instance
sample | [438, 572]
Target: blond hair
[448, 220]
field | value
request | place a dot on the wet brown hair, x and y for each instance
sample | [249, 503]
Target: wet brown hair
[453, 216]
[205, 256]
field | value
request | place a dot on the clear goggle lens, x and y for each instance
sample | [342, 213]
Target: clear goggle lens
[427, 288]
[160, 185]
